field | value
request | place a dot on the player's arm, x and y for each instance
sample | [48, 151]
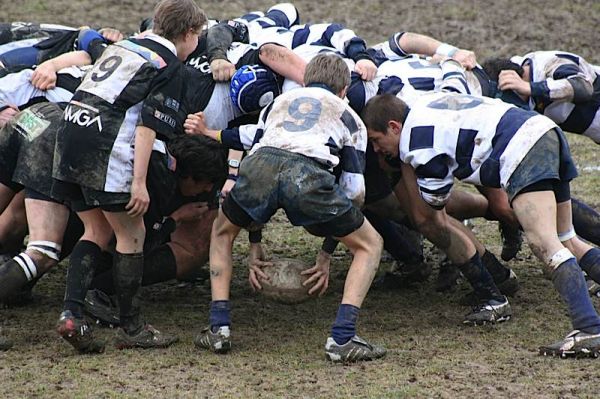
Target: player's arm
[414, 43]
[453, 77]
[565, 82]
[347, 42]
[283, 61]
[140, 199]
[44, 77]
[218, 40]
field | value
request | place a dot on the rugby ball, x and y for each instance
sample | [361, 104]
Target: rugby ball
[285, 284]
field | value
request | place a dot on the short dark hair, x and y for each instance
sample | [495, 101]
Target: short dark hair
[173, 18]
[382, 109]
[199, 157]
[329, 69]
[493, 67]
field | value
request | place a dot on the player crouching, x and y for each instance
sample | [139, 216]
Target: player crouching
[290, 168]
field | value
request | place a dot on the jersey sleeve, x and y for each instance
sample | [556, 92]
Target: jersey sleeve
[352, 158]
[565, 81]
[453, 77]
[244, 137]
[160, 107]
[220, 37]
[434, 177]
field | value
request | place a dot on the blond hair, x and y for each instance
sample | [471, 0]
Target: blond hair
[329, 69]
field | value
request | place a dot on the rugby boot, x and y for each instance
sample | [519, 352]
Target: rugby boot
[489, 312]
[593, 287]
[508, 287]
[148, 337]
[576, 343]
[404, 275]
[101, 308]
[355, 350]
[218, 342]
[77, 332]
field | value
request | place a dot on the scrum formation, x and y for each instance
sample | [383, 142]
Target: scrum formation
[142, 157]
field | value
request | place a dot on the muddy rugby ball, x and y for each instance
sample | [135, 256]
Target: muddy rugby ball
[285, 284]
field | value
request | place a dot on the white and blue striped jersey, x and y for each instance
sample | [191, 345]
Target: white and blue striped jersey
[409, 77]
[475, 139]
[314, 122]
[553, 95]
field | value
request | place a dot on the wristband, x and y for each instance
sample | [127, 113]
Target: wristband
[446, 49]
[233, 177]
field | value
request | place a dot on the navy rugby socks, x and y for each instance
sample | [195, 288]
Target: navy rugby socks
[83, 262]
[590, 263]
[586, 221]
[219, 315]
[344, 327]
[569, 282]
[480, 279]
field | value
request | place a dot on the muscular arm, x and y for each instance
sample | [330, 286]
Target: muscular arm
[283, 61]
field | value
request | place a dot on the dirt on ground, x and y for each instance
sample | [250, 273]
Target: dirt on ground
[278, 348]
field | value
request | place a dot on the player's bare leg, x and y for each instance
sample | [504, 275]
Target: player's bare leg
[217, 336]
[13, 225]
[537, 213]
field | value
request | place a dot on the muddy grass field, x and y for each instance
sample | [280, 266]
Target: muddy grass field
[278, 348]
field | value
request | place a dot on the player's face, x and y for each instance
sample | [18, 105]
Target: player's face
[385, 143]
[190, 187]
[188, 44]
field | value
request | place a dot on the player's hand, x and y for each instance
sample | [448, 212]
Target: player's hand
[190, 212]
[222, 70]
[510, 80]
[195, 124]
[227, 187]
[140, 200]
[256, 261]
[111, 34]
[466, 58]
[44, 76]
[319, 274]
[7, 114]
[366, 69]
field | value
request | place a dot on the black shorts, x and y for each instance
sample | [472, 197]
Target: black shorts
[84, 198]
[546, 167]
[271, 179]
[377, 183]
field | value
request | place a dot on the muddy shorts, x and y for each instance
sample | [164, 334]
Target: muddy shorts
[548, 166]
[271, 179]
[83, 198]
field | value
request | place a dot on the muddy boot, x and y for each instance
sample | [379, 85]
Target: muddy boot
[134, 333]
[449, 277]
[12, 279]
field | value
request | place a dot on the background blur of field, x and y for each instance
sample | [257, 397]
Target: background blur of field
[278, 349]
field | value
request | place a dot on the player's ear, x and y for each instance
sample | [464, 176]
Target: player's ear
[395, 126]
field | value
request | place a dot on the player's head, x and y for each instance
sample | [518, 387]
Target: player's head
[179, 21]
[493, 67]
[200, 163]
[328, 69]
[384, 116]
[253, 87]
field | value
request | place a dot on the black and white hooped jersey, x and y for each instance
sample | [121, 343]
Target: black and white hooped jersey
[135, 82]
[16, 88]
[552, 94]
[475, 139]
[17, 31]
[314, 122]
